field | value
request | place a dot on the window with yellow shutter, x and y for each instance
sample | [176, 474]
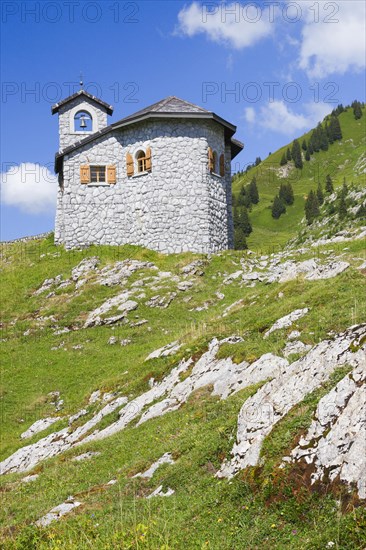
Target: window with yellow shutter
[143, 160]
[98, 174]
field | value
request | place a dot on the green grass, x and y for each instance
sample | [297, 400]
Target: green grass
[340, 161]
[262, 507]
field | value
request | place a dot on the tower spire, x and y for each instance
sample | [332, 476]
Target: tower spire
[81, 81]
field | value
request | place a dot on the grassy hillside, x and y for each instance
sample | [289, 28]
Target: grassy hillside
[263, 506]
[344, 159]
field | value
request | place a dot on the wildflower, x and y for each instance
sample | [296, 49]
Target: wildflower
[219, 520]
[273, 525]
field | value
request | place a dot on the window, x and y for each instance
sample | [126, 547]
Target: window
[97, 174]
[141, 161]
[216, 164]
[141, 164]
[83, 122]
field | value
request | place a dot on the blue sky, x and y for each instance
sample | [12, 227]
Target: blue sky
[273, 69]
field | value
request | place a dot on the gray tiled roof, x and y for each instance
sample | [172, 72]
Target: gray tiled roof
[166, 108]
[170, 104]
[56, 107]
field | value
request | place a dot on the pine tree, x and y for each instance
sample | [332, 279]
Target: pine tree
[335, 128]
[307, 155]
[244, 198]
[310, 149]
[258, 160]
[324, 144]
[311, 207]
[344, 189]
[342, 207]
[290, 195]
[244, 222]
[296, 154]
[286, 193]
[253, 191]
[240, 242]
[278, 208]
[329, 133]
[319, 194]
[288, 154]
[315, 140]
[329, 184]
[304, 146]
[357, 110]
[283, 160]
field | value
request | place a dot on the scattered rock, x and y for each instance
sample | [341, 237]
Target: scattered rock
[165, 459]
[119, 272]
[121, 302]
[77, 415]
[57, 512]
[287, 320]
[137, 324]
[85, 456]
[78, 346]
[84, 267]
[161, 301]
[194, 268]
[160, 493]
[29, 479]
[169, 349]
[95, 396]
[125, 342]
[231, 306]
[230, 278]
[39, 426]
[184, 285]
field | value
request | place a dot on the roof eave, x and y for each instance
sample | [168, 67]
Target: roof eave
[55, 108]
[230, 130]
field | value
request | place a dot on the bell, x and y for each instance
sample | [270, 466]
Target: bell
[82, 121]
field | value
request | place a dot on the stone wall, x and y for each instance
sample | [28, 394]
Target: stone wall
[177, 207]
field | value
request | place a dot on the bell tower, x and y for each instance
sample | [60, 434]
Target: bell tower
[80, 115]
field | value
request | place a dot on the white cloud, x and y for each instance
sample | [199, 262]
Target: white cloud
[278, 117]
[30, 187]
[249, 114]
[333, 41]
[234, 24]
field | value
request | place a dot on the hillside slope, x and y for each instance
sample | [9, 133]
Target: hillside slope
[228, 388]
[343, 159]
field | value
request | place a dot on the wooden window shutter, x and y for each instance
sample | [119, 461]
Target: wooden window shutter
[129, 163]
[148, 159]
[84, 174]
[222, 165]
[111, 174]
[210, 160]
